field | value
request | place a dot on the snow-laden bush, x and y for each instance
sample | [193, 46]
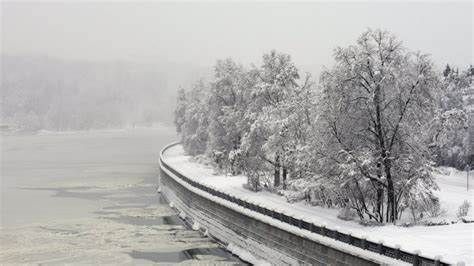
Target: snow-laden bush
[315, 190]
[424, 205]
[292, 195]
[346, 214]
[420, 200]
[434, 210]
[202, 159]
[463, 209]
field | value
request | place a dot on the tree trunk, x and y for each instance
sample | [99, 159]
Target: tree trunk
[380, 192]
[391, 205]
[285, 175]
[380, 203]
[390, 192]
[276, 176]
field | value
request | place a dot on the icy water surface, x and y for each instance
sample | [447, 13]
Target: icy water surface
[89, 197]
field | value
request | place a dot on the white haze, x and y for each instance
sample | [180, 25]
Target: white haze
[108, 64]
[58, 94]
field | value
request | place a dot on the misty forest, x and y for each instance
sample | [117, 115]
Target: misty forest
[46, 93]
[365, 138]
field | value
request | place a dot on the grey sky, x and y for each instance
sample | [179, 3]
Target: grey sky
[199, 33]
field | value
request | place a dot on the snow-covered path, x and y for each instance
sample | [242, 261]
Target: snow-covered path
[90, 198]
[454, 242]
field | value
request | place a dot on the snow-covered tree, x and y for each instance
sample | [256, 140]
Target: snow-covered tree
[180, 111]
[375, 99]
[194, 119]
[448, 128]
[268, 112]
[447, 71]
[229, 98]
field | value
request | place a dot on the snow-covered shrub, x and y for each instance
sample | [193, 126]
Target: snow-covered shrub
[256, 173]
[253, 180]
[235, 161]
[292, 195]
[314, 190]
[202, 159]
[436, 222]
[421, 201]
[346, 214]
[252, 185]
[218, 158]
[418, 209]
[443, 170]
[435, 210]
[463, 209]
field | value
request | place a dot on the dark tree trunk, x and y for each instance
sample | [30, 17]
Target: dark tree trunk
[391, 208]
[391, 203]
[276, 176]
[285, 175]
[380, 203]
[380, 193]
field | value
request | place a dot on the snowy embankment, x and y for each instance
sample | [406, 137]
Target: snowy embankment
[452, 242]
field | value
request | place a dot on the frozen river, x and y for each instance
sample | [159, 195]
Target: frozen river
[89, 197]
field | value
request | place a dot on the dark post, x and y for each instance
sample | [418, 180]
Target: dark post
[416, 259]
[397, 251]
[380, 247]
[363, 243]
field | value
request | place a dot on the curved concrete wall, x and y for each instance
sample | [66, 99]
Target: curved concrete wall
[244, 230]
[263, 241]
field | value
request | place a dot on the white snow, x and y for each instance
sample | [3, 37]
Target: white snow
[452, 242]
[182, 215]
[453, 190]
[196, 226]
[245, 255]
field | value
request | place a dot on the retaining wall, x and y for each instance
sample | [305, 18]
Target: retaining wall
[265, 236]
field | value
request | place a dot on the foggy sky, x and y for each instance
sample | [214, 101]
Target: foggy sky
[200, 33]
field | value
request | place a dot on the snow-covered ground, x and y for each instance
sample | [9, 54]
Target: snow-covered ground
[90, 198]
[454, 243]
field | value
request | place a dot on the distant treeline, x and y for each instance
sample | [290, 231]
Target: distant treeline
[40, 92]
